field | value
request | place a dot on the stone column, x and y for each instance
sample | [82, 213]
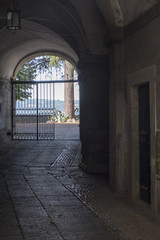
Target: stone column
[94, 113]
[5, 108]
[117, 165]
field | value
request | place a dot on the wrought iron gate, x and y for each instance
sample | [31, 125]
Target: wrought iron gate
[33, 110]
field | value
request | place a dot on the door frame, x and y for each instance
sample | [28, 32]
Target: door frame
[144, 142]
[135, 79]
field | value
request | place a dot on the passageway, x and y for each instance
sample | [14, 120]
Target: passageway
[44, 195]
[35, 204]
[114, 47]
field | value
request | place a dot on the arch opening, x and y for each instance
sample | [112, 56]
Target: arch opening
[45, 102]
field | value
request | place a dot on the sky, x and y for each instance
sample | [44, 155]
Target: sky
[58, 92]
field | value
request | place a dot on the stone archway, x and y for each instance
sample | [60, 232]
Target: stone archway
[40, 99]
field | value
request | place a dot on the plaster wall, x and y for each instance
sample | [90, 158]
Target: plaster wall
[138, 63]
[133, 9]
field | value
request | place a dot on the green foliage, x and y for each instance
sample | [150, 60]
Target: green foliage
[22, 93]
[26, 73]
[55, 61]
[30, 70]
[58, 116]
[76, 116]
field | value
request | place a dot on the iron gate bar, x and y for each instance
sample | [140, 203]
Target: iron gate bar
[35, 82]
[36, 135]
[12, 109]
[37, 109]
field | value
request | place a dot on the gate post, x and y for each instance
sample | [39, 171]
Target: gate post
[94, 113]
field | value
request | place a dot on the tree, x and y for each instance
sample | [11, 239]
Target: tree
[59, 62]
[29, 71]
[69, 90]
[55, 61]
[26, 73]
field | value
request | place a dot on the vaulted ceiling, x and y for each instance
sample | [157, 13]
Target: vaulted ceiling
[70, 28]
[122, 12]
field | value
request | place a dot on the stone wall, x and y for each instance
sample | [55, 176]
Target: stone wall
[5, 109]
[134, 61]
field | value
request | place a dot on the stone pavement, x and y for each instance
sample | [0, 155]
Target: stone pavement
[34, 204]
[66, 131]
[45, 196]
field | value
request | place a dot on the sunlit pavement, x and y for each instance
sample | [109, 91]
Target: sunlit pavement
[47, 130]
[44, 195]
[66, 131]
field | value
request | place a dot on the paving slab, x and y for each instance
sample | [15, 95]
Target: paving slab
[40, 236]
[12, 237]
[60, 200]
[45, 196]
[70, 212]
[33, 203]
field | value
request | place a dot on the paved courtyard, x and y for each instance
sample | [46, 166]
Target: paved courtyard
[50, 130]
[45, 196]
[34, 204]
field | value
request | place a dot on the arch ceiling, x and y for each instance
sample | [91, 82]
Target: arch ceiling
[122, 12]
[71, 28]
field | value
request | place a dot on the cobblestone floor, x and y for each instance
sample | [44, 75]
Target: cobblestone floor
[45, 196]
